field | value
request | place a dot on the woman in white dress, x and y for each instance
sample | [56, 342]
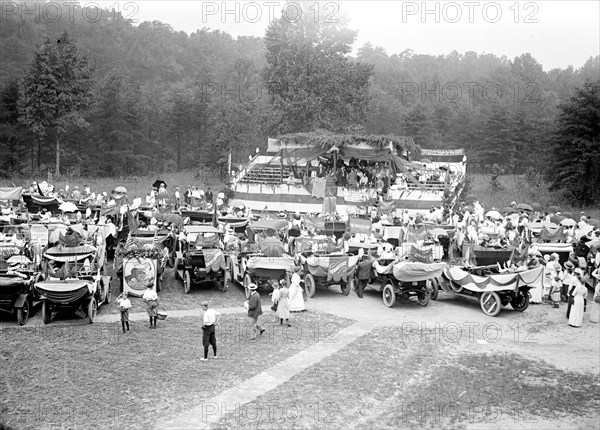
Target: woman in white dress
[295, 299]
[579, 293]
[283, 311]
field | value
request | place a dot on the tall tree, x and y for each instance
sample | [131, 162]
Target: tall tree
[310, 77]
[577, 146]
[56, 90]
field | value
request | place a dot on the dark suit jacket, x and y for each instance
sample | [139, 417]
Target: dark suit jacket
[254, 306]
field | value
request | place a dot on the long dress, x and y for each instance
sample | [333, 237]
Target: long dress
[576, 315]
[296, 300]
[536, 292]
[595, 306]
[283, 310]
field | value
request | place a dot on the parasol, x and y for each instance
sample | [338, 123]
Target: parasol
[121, 190]
[509, 210]
[568, 222]
[68, 207]
[537, 207]
[556, 219]
[158, 183]
[493, 214]
[567, 214]
[554, 209]
[524, 207]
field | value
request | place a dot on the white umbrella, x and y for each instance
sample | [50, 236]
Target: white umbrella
[68, 207]
[493, 214]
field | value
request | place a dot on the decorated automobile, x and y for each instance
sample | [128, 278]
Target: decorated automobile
[326, 270]
[396, 278]
[73, 280]
[18, 272]
[139, 263]
[493, 289]
[200, 258]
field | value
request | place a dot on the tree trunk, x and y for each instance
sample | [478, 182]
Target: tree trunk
[57, 171]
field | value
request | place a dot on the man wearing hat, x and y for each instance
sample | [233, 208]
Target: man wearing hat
[254, 310]
[210, 319]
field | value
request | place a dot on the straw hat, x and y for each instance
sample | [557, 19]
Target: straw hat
[252, 287]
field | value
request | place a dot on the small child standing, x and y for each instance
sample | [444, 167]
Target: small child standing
[555, 292]
[125, 305]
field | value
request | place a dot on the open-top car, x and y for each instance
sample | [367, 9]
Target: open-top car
[18, 272]
[75, 280]
[494, 290]
[200, 258]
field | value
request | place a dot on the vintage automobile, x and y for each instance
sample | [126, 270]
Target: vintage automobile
[200, 258]
[74, 280]
[264, 271]
[263, 258]
[18, 272]
[493, 290]
[400, 278]
[17, 295]
[326, 270]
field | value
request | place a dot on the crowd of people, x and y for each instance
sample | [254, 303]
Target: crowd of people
[360, 174]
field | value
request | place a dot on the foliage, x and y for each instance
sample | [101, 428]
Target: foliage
[311, 79]
[184, 101]
[324, 139]
[576, 146]
[56, 90]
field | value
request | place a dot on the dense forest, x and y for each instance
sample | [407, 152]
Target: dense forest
[153, 99]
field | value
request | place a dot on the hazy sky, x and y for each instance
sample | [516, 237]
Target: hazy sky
[557, 33]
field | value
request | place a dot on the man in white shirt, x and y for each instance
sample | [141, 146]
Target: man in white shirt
[125, 304]
[210, 319]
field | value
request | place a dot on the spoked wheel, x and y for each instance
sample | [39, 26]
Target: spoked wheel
[521, 301]
[389, 295]
[424, 297]
[490, 303]
[247, 282]
[23, 313]
[310, 285]
[46, 311]
[348, 286]
[435, 288]
[187, 282]
[92, 310]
